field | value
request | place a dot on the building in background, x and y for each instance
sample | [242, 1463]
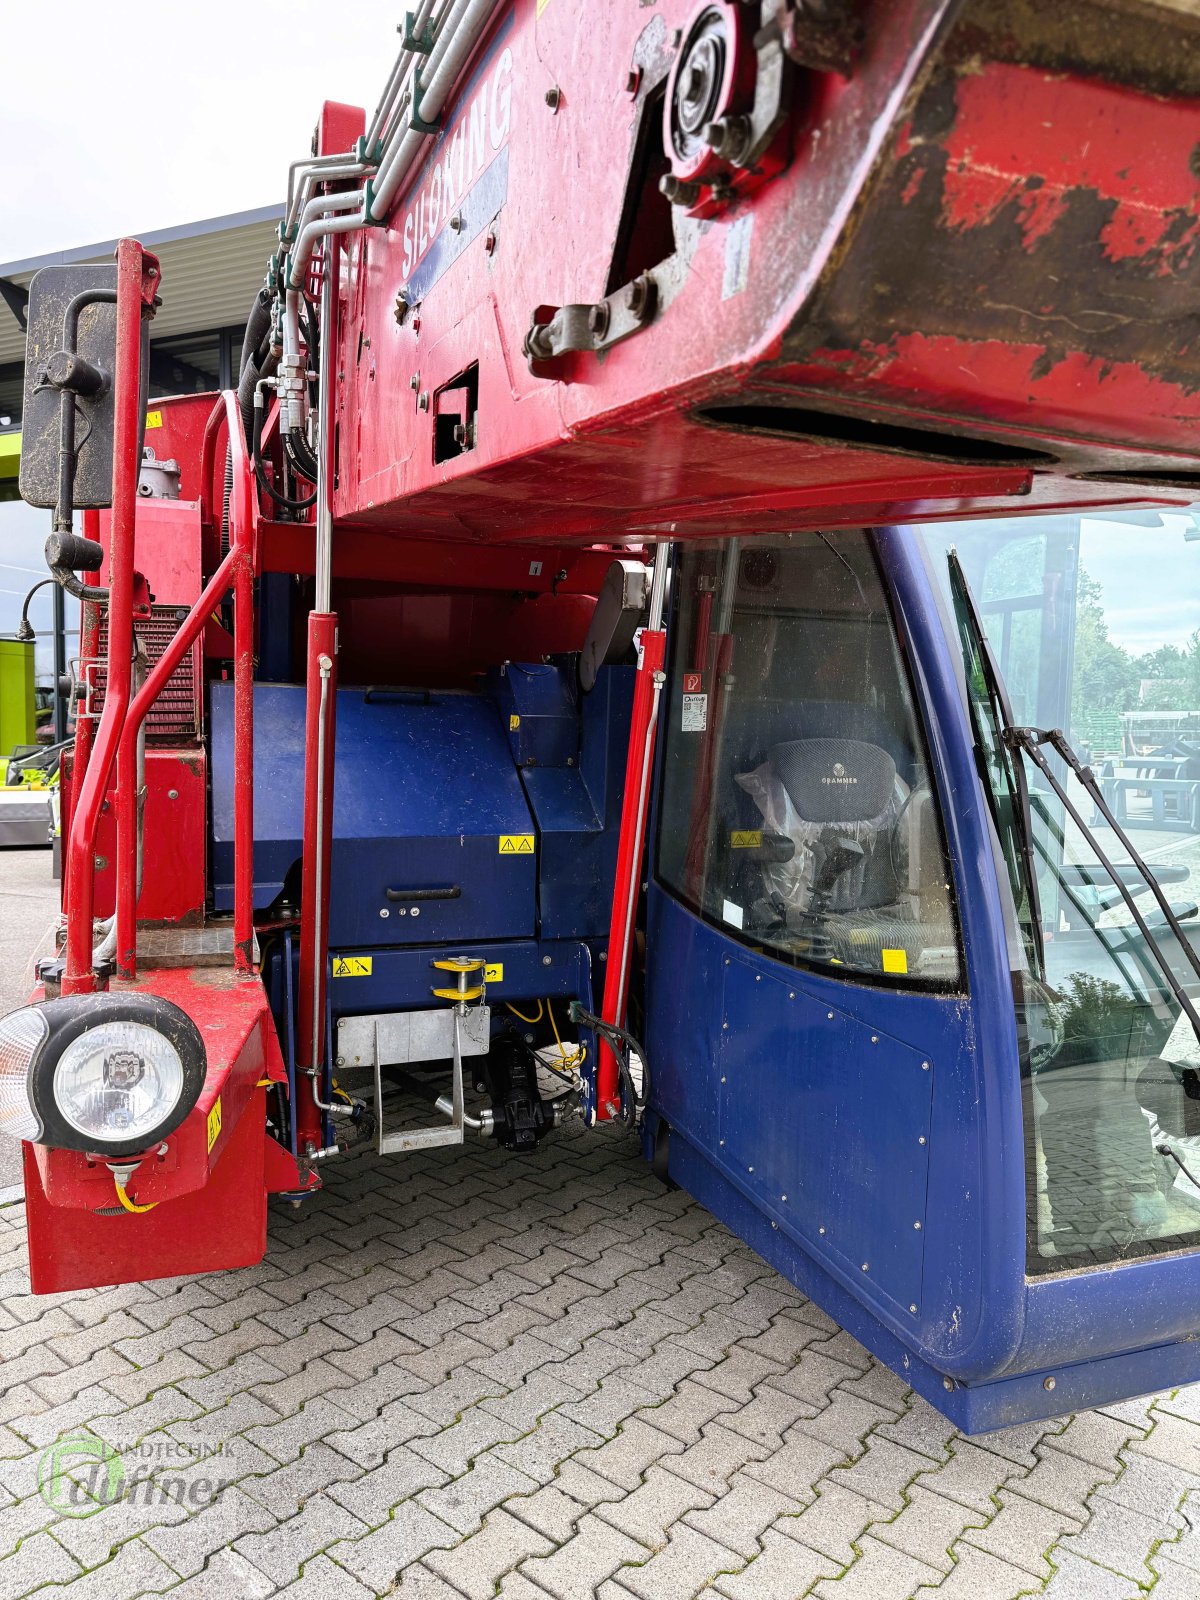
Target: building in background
[211, 271]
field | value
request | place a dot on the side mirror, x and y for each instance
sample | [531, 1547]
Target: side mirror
[69, 405]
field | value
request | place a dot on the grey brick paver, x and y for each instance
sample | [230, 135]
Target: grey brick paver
[784, 1571]
[378, 1558]
[594, 1552]
[467, 1375]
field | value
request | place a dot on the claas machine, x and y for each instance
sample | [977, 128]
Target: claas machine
[632, 647]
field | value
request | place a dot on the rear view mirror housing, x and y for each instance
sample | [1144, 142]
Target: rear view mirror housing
[70, 351]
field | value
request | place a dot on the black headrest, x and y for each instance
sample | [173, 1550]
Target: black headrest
[835, 780]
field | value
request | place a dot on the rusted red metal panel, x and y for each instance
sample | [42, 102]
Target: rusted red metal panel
[974, 275]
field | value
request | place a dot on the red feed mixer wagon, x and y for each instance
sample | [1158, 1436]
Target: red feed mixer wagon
[546, 687]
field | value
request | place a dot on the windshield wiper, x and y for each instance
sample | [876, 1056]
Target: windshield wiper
[1030, 742]
[975, 635]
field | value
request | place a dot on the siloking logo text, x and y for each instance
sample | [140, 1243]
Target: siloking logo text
[477, 134]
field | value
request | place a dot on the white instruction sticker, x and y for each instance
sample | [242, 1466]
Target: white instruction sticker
[695, 713]
[733, 915]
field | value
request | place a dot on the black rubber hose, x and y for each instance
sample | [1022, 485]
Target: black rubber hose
[258, 325]
[301, 456]
[263, 482]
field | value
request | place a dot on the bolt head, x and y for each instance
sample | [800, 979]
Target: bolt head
[489, 241]
[553, 98]
[547, 960]
[947, 1383]
[1048, 1384]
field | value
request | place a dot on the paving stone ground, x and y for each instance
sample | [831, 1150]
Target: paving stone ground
[464, 1374]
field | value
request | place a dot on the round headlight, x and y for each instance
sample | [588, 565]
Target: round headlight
[110, 1073]
[119, 1081]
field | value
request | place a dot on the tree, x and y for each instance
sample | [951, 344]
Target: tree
[1106, 677]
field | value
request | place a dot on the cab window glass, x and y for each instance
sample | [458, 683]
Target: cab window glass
[1091, 623]
[796, 805]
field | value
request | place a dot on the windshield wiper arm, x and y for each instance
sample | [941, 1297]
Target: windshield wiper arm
[971, 622]
[1030, 741]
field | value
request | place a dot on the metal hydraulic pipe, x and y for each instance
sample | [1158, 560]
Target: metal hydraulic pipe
[332, 170]
[459, 35]
[328, 213]
[304, 166]
[319, 736]
[137, 278]
[399, 72]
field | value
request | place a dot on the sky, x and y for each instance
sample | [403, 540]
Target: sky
[122, 118]
[1150, 579]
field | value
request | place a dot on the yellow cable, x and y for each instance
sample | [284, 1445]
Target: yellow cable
[129, 1204]
[522, 1015]
[567, 1060]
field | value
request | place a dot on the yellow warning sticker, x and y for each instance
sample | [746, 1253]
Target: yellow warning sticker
[514, 722]
[494, 972]
[352, 966]
[895, 960]
[214, 1122]
[516, 844]
[154, 419]
[746, 839]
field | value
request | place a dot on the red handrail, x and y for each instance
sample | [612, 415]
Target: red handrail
[236, 571]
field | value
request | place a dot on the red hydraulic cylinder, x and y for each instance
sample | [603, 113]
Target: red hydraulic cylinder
[320, 724]
[638, 768]
[137, 280]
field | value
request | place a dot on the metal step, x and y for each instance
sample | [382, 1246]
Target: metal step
[400, 1038]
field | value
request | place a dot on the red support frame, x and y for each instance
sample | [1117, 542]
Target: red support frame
[137, 280]
[236, 571]
[631, 841]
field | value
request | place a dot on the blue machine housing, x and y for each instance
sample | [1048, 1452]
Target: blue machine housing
[514, 827]
[869, 1141]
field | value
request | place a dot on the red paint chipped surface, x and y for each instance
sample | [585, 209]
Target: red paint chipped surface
[996, 156]
[997, 382]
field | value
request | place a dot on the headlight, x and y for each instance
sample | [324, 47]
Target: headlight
[110, 1073]
[22, 1035]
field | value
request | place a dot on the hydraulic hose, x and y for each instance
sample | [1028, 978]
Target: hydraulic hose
[264, 483]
